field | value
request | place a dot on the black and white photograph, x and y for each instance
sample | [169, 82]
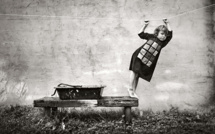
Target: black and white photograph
[107, 67]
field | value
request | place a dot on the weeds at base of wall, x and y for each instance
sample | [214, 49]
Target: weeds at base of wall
[26, 119]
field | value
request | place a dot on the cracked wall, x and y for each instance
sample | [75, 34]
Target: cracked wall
[91, 42]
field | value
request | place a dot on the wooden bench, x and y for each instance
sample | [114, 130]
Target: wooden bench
[50, 104]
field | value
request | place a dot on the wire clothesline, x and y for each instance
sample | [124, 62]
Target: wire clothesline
[187, 12]
[70, 17]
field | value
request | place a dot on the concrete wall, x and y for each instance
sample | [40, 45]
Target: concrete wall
[91, 42]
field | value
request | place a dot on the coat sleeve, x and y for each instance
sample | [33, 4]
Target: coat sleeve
[145, 36]
[169, 37]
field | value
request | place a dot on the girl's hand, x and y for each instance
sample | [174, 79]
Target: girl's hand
[146, 22]
[165, 20]
[144, 27]
[167, 24]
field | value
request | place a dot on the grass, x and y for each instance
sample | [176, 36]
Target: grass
[27, 120]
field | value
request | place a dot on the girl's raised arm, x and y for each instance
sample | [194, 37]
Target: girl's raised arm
[169, 37]
[144, 35]
[144, 27]
[167, 24]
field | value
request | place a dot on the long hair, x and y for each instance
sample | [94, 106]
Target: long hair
[161, 28]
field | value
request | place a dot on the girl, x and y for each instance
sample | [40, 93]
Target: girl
[144, 59]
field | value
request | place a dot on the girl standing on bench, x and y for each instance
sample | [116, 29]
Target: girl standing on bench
[144, 59]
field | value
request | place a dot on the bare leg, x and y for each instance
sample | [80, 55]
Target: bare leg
[133, 84]
[136, 82]
[132, 79]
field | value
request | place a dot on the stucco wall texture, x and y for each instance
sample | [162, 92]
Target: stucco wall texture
[90, 42]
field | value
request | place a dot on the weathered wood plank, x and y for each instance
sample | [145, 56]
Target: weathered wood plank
[56, 102]
[118, 98]
[118, 101]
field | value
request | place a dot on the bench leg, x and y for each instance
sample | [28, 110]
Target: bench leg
[50, 111]
[47, 111]
[54, 110]
[127, 112]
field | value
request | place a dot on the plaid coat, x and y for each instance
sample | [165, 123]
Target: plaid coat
[145, 58]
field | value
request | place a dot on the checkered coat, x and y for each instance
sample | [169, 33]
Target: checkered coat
[145, 58]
